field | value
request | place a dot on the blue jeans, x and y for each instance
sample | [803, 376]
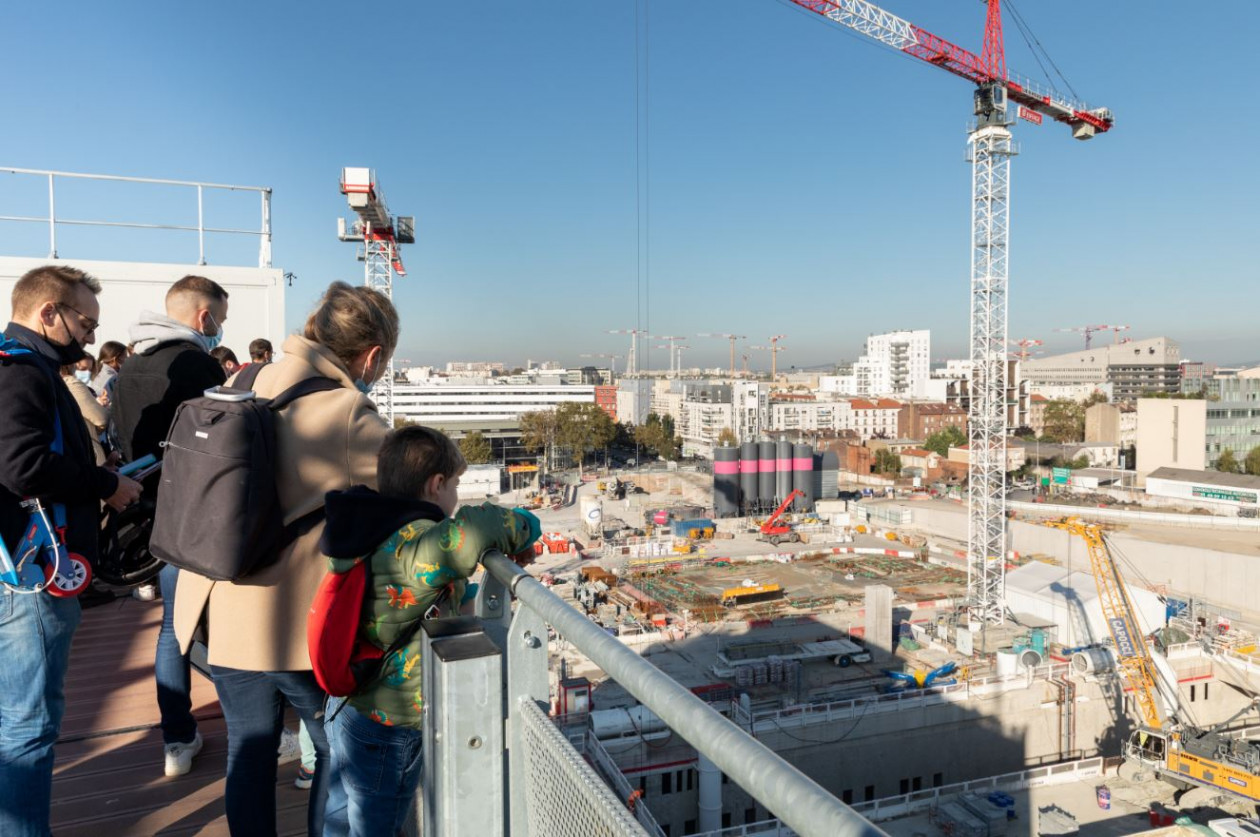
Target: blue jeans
[376, 771]
[253, 707]
[172, 671]
[35, 634]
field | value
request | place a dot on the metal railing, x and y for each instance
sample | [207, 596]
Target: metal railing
[264, 231]
[1200, 521]
[549, 789]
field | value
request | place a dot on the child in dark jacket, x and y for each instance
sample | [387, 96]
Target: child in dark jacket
[421, 553]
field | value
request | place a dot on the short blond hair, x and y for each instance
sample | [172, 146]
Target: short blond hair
[49, 283]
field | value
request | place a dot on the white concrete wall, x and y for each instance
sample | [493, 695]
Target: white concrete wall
[255, 296]
[1171, 432]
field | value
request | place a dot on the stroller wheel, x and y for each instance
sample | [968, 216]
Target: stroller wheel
[73, 579]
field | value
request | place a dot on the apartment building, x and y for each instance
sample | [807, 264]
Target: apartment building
[1132, 369]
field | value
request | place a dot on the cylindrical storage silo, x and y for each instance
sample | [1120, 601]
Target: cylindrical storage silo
[803, 476]
[748, 468]
[766, 474]
[782, 471]
[726, 481]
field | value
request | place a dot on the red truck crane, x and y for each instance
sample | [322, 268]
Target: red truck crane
[774, 532]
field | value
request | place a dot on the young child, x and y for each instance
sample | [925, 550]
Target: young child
[421, 555]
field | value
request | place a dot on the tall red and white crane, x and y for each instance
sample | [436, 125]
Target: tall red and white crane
[990, 153]
[381, 234]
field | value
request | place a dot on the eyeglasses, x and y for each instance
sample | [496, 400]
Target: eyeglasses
[89, 325]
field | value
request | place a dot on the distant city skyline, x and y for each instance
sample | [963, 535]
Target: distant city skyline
[790, 179]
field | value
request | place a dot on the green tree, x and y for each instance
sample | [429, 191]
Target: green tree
[583, 428]
[476, 448]
[1252, 463]
[657, 435]
[1095, 397]
[1065, 421]
[726, 438]
[887, 462]
[942, 440]
[1228, 463]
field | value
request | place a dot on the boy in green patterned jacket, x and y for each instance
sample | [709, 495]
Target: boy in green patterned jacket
[421, 555]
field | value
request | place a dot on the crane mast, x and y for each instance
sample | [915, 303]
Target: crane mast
[990, 149]
[381, 234]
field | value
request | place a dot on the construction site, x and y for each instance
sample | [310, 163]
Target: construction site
[851, 634]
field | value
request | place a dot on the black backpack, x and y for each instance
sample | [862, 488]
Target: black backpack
[218, 508]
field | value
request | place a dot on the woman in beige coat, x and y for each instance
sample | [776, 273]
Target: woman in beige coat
[255, 629]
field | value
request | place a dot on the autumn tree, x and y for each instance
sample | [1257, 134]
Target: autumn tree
[1252, 463]
[726, 438]
[1228, 463]
[538, 432]
[657, 435]
[1065, 421]
[476, 448]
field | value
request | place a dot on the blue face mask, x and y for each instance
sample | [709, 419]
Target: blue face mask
[361, 385]
[212, 341]
[83, 375]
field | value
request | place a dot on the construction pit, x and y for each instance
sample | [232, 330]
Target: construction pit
[732, 589]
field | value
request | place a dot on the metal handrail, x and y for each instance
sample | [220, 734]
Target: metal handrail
[800, 802]
[264, 231]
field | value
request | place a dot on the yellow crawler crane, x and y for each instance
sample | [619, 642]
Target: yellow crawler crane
[1183, 755]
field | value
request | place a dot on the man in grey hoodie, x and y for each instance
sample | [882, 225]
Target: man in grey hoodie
[171, 364]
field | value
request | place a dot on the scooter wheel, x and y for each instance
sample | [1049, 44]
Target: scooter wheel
[73, 579]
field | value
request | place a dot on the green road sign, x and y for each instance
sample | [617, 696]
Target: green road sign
[1061, 475]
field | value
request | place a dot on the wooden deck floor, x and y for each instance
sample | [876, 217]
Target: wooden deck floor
[108, 777]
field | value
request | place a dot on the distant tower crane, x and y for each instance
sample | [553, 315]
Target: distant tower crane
[632, 359]
[990, 154]
[381, 234]
[774, 348]
[732, 338]
[1115, 337]
[1088, 331]
[612, 361]
[1025, 348]
[672, 340]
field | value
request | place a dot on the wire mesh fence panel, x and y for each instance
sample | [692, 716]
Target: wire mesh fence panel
[563, 795]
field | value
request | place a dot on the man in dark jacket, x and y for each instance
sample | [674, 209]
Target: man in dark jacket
[54, 316]
[171, 364]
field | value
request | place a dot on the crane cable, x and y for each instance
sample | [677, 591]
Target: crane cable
[1026, 31]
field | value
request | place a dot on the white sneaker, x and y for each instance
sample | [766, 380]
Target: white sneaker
[290, 747]
[179, 756]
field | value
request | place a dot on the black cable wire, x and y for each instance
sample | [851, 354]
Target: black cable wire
[865, 706]
[1020, 20]
[1024, 33]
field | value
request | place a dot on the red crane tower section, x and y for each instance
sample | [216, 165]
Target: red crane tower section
[990, 67]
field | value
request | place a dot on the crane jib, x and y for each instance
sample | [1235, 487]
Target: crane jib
[875, 22]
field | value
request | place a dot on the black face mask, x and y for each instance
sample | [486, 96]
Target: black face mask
[67, 353]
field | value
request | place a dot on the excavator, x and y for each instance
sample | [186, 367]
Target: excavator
[1182, 754]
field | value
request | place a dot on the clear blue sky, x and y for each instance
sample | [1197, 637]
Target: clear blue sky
[802, 181]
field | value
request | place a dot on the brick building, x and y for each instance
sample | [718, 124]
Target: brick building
[918, 420]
